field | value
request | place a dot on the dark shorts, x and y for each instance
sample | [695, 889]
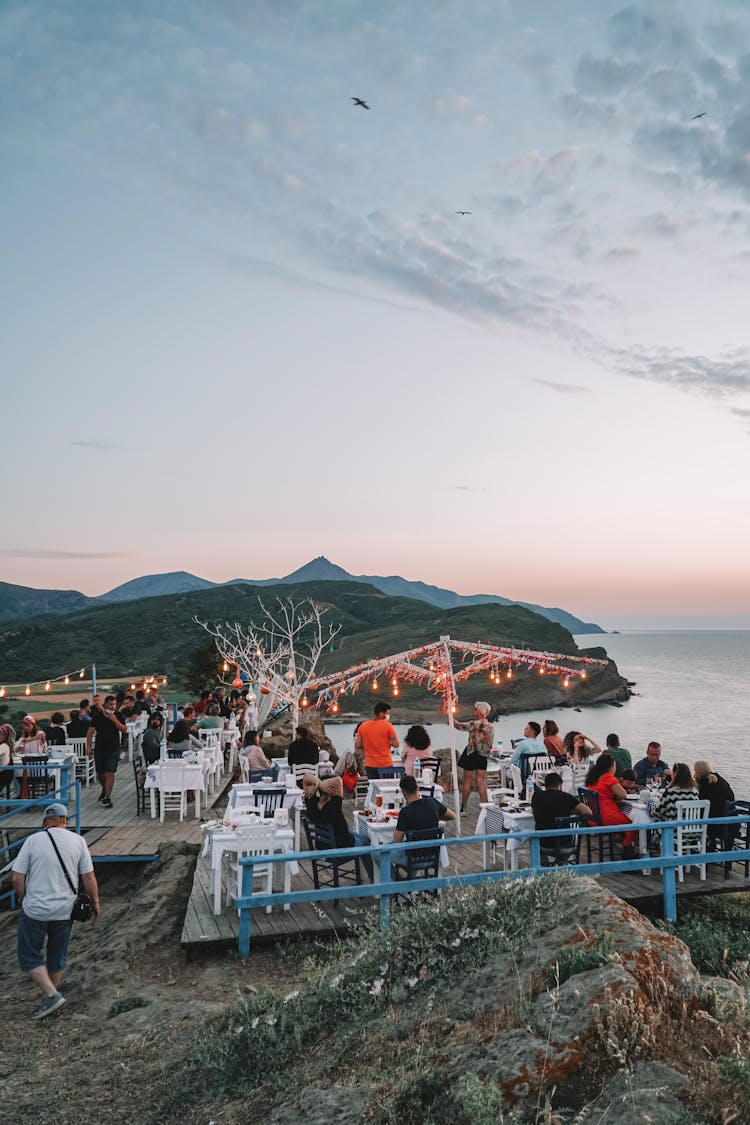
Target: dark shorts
[472, 761]
[31, 937]
[107, 762]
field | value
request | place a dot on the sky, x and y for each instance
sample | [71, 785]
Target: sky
[243, 323]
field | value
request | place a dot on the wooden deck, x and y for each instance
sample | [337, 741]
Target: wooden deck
[118, 833]
[203, 928]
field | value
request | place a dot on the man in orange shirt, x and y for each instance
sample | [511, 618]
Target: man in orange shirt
[375, 738]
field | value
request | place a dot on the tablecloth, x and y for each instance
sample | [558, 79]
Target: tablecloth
[225, 840]
[390, 790]
[194, 778]
[381, 832]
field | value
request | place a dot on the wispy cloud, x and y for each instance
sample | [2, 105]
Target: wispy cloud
[564, 388]
[467, 488]
[41, 553]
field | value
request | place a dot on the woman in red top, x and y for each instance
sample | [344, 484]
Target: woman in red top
[553, 742]
[601, 778]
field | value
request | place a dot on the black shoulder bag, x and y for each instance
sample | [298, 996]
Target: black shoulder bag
[83, 907]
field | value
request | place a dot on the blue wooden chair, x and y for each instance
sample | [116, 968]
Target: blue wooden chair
[736, 835]
[567, 849]
[590, 797]
[420, 863]
[329, 872]
[269, 800]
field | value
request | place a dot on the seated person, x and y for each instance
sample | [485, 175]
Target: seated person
[303, 751]
[212, 719]
[553, 744]
[579, 748]
[56, 731]
[323, 799]
[151, 740]
[254, 756]
[712, 787]
[419, 812]
[681, 788]
[33, 739]
[530, 746]
[77, 727]
[7, 742]
[601, 778]
[548, 804]
[629, 781]
[622, 758]
[180, 739]
[651, 769]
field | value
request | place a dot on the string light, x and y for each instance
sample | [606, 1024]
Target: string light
[28, 690]
[374, 685]
[225, 666]
[2, 692]
[509, 674]
[164, 679]
[47, 686]
[566, 682]
[395, 691]
[81, 673]
[66, 680]
[304, 701]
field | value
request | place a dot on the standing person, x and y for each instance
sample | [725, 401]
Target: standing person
[377, 737]
[553, 744]
[303, 751]
[417, 743]
[651, 769]
[622, 758]
[47, 902]
[107, 728]
[601, 778]
[473, 761]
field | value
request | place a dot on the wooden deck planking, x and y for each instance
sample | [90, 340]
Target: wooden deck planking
[202, 928]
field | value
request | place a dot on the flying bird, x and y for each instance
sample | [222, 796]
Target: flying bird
[360, 101]
[698, 115]
[463, 212]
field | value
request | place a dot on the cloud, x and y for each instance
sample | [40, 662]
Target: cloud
[564, 388]
[467, 488]
[40, 553]
[741, 412]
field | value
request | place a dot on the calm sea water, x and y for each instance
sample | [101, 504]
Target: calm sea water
[692, 692]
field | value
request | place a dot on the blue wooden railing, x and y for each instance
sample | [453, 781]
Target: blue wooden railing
[385, 888]
[69, 789]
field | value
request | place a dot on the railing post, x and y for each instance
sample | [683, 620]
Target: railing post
[77, 787]
[668, 874]
[385, 877]
[246, 889]
[535, 849]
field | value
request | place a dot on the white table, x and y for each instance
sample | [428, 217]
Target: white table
[381, 832]
[513, 820]
[390, 790]
[226, 840]
[53, 760]
[194, 777]
[244, 794]
[639, 812]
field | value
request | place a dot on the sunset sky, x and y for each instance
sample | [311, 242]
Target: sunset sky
[243, 324]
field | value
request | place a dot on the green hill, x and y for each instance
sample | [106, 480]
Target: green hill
[159, 633]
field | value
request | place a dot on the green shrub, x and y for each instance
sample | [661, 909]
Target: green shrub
[126, 1004]
[721, 948]
[424, 949]
[735, 1074]
[431, 1098]
[574, 959]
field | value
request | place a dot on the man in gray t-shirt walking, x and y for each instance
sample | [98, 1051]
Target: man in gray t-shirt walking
[47, 901]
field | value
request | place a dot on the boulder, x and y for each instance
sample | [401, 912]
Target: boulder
[643, 1095]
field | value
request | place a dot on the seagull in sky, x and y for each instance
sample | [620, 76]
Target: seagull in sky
[360, 101]
[698, 115]
[463, 212]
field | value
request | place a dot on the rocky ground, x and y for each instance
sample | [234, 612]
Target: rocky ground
[586, 1012]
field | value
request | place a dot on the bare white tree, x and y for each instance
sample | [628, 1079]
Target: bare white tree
[279, 656]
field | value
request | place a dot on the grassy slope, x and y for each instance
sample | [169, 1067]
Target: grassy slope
[160, 632]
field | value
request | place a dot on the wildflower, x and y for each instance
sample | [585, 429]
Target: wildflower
[412, 981]
[270, 1020]
[377, 987]
[456, 942]
[291, 996]
[491, 902]
[254, 1023]
[337, 980]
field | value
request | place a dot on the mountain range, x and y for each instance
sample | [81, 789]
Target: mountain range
[21, 602]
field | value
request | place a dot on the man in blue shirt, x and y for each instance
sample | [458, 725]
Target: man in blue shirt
[530, 746]
[651, 768]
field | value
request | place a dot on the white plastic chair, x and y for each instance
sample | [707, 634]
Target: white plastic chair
[691, 839]
[493, 826]
[255, 840]
[515, 773]
[85, 767]
[172, 792]
[301, 770]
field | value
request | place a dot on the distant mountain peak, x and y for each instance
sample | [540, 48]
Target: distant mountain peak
[319, 569]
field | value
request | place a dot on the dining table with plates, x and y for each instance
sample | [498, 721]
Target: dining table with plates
[500, 817]
[242, 796]
[221, 838]
[389, 791]
[380, 831]
[54, 766]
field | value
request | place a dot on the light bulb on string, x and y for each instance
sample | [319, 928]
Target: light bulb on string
[2, 692]
[67, 679]
[47, 686]
[566, 682]
[583, 675]
[28, 690]
[374, 685]
[225, 667]
[132, 687]
[164, 679]
[81, 673]
[395, 691]
[304, 701]
[509, 674]
[541, 671]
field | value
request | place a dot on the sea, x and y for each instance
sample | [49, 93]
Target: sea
[691, 690]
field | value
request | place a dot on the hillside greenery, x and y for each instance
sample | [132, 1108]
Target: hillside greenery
[160, 634]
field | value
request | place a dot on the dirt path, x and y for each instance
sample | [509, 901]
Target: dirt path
[82, 1064]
